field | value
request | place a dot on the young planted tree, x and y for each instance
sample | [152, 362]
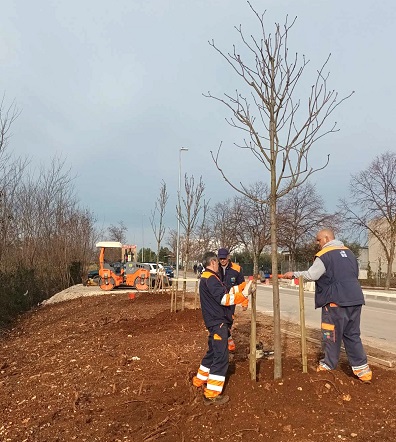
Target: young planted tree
[189, 211]
[159, 230]
[372, 205]
[279, 130]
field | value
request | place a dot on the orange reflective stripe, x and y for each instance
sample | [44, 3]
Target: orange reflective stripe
[215, 383]
[207, 275]
[198, 382]
[329, 249]
[228, 299]
[203, 373]
[235, 267]
[330, 327]
[216, 337]
[332, 304]
[210, 393]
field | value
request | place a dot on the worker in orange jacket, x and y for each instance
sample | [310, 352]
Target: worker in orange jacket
[216, 306]
[231, 274]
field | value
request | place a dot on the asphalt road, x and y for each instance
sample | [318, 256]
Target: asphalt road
[378, 315]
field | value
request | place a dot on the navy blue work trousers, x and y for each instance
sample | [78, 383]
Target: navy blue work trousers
[216, 358]
[342, 324]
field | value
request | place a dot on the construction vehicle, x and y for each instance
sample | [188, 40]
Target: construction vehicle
[124, 271]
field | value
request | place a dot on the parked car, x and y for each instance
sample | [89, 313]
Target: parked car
[92, 278]
[169, 271]
[152, 268]
[93, 273]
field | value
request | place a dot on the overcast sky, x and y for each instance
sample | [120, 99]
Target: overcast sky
[116, 89]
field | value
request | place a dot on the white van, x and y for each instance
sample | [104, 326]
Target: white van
[152, 268]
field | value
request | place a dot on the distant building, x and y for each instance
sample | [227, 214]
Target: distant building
[376, 254]
[363, 258]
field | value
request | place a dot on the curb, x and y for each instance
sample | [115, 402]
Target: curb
[382, 296]
[368, 294]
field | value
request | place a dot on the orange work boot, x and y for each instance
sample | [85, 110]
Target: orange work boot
[364, 373]
[220, 399]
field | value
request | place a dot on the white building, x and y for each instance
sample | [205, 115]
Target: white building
[376, 254]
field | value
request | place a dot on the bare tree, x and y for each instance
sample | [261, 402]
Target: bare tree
[11, 173]
[253, 220]
[43, 231]
[202, 239]
[172, 242]
[225, 227]
[55, 237]
[117, 232]
[160, 206]
[193, 203]
[301, 214]
[372, 205]
[11, 176]
[159, 230]
[279, 133]
[7, 117]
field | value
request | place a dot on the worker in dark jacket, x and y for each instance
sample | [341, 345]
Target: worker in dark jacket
[231, 274]
[339, 295]
[216, 303]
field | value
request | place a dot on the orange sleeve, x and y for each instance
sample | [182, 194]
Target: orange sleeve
[232, 299]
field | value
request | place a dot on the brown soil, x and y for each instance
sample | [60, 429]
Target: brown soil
[109, 368]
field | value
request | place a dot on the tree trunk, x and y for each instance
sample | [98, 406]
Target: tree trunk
[253, 323]
[275, 297]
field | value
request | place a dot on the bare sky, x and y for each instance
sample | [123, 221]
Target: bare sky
[116, 89]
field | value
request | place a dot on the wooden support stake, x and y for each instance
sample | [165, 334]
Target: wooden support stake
[171, 306]
[175, 300]
[253, 337]
[302, 326]
[196, 294]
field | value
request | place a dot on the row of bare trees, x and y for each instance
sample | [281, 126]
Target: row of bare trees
[43, 229]
[242, 225]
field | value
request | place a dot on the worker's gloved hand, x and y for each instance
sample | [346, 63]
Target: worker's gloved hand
[248, 289]
[237, 288]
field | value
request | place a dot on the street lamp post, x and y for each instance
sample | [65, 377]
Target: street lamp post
[182, 149]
